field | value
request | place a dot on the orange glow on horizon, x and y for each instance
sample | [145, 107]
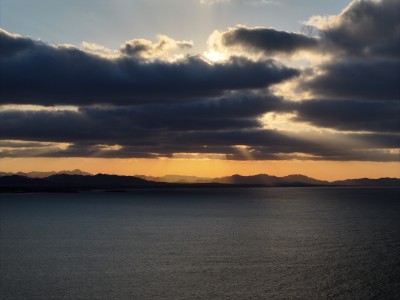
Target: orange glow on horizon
[324, 170]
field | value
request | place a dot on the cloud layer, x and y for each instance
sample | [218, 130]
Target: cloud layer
[37, 73]
[156, 100]
[267, 41]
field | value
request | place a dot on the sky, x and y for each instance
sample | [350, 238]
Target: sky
[201, 87]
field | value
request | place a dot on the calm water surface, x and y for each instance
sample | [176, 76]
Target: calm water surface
[261, 243]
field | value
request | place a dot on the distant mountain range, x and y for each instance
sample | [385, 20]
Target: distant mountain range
[77, 181]
[260, 179]
[70, 183]
[35, 174]
[268, 180]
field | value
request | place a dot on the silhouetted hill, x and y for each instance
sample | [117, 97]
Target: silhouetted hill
[260, 179]
[68, 183]
[64, 182]
[369, 182]
[303, 179]
[268, 180]
[16, 180]
[100, 180]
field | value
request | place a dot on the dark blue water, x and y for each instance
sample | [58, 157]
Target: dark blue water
[262, 243]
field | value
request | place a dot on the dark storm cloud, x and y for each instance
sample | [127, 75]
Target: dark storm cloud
[365, 28]
[374, 79]
[193, 115]
[213, 126]
[365, 43]
[353, 115]
[363, 74]
[370, 28]
[334, 154]
[266, 40]
[145, 132]
[17, 144]
[47, 75]
[13, 44]
[280, 142]
[239, 111]
[169, 118]
[260, 144]
[233, 153]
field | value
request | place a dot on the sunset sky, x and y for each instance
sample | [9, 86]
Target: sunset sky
[196, 87]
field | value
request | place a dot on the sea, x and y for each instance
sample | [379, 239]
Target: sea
[221, 243]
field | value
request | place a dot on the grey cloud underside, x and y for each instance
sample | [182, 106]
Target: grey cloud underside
[236, 112]
[351, 115]
[158, 133]
[36, 73]
[366, 44]
[375, 79]
[230, 152]
[368, 28]
[267, 40]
